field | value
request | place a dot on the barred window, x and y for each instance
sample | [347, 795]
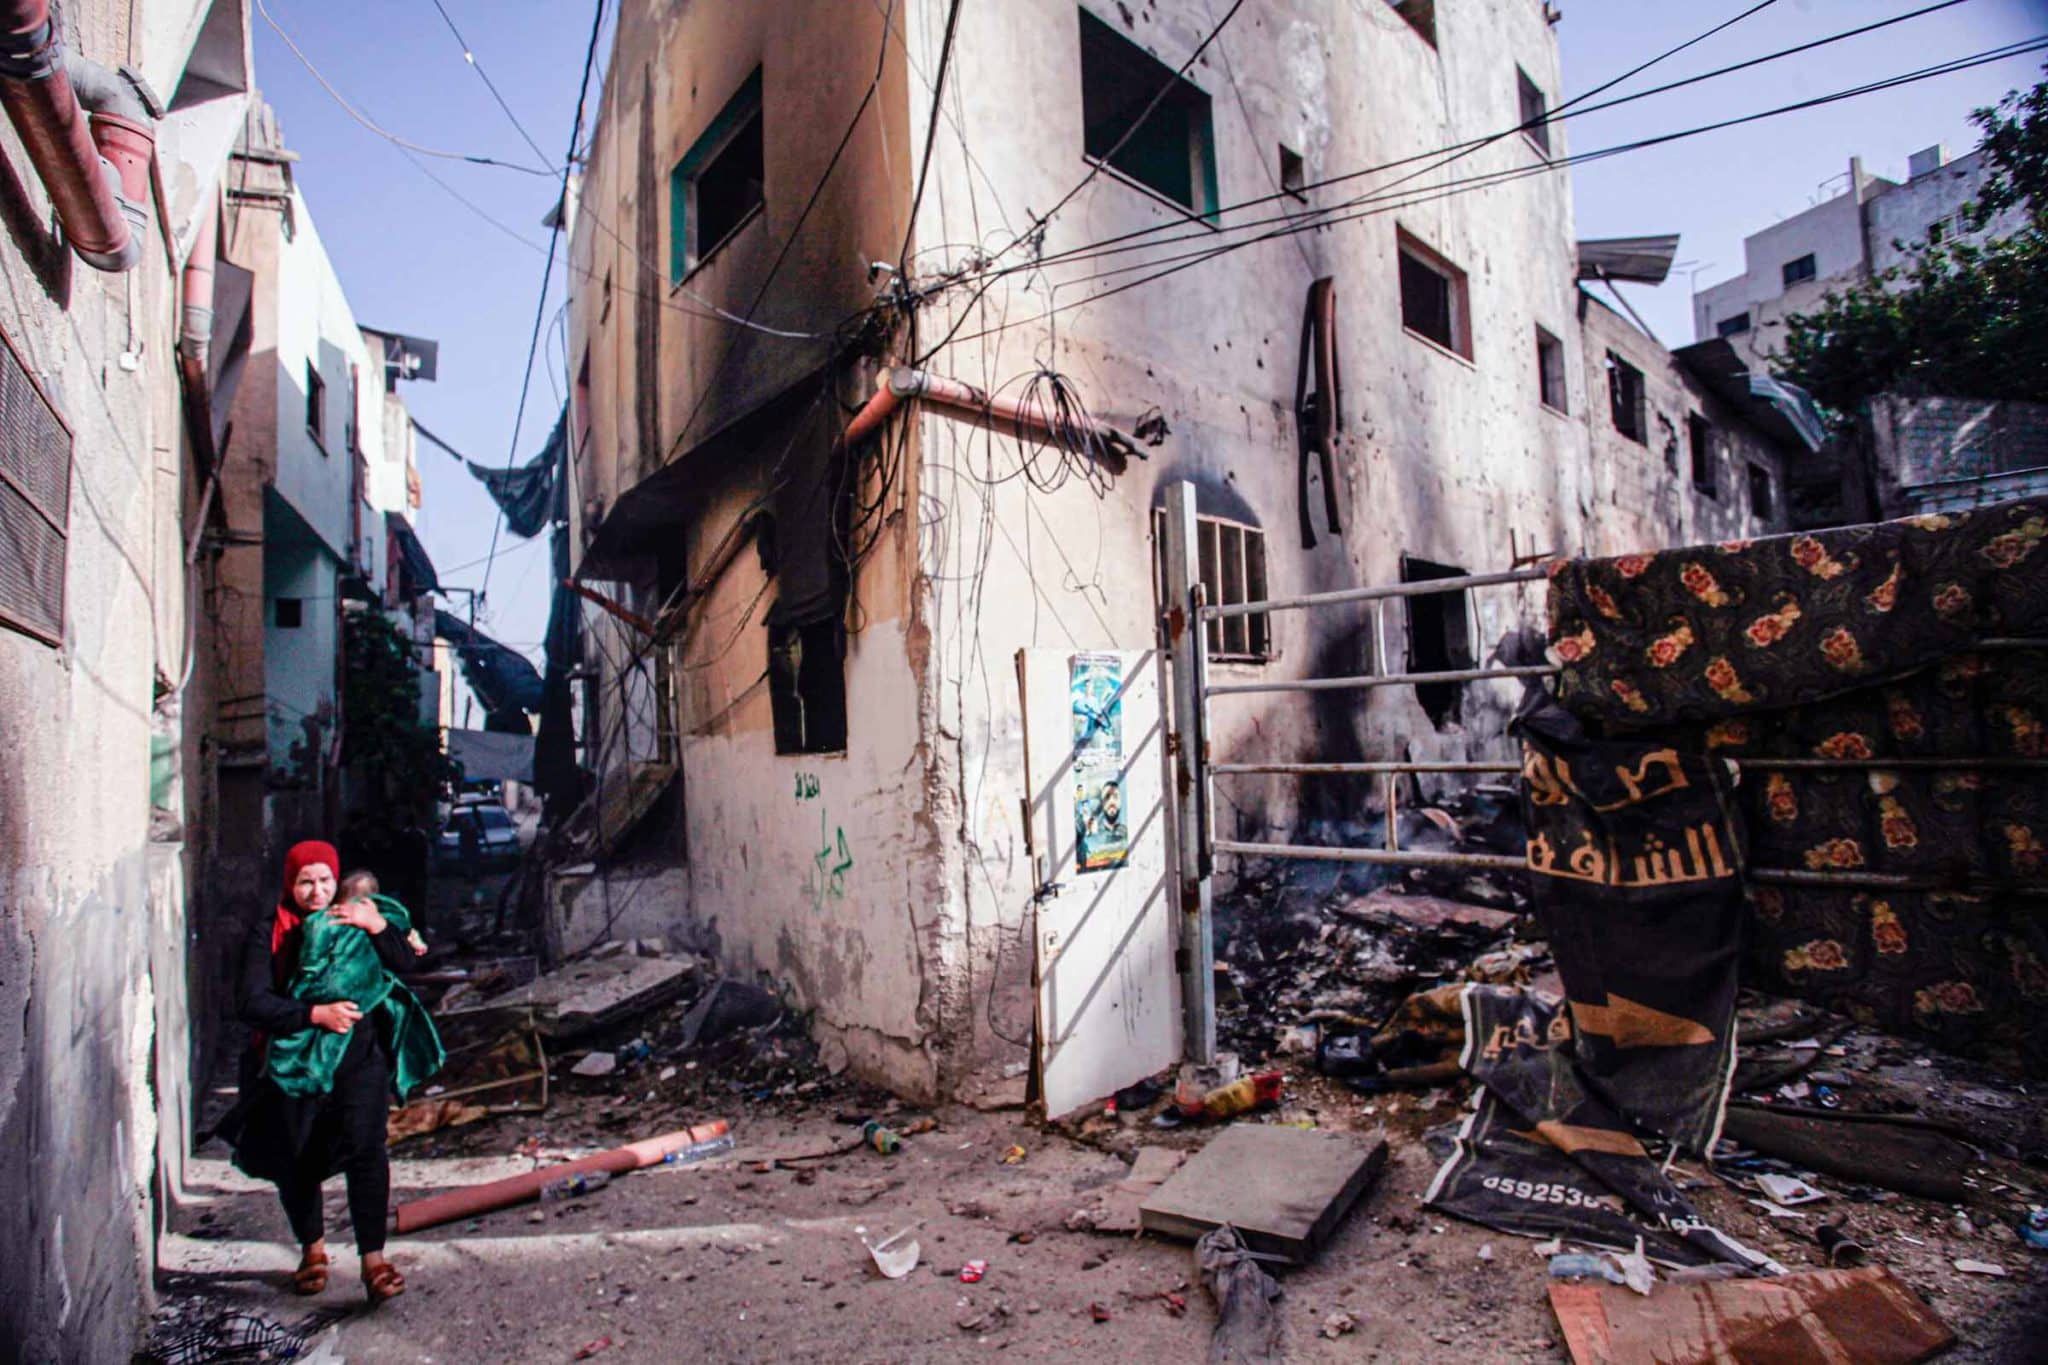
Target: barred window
[1232, 559]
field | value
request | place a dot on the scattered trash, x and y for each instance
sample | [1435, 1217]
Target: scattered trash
[887, 1141]
[1842, 1249]
[1789, 1190]
[639, 1050]
[1247, 1324]
[2034, 1229]
[1099, 1312]
[596, 1064]
[1486, 1251]
[1240, 1096]
[1636, 1271]
[727, 1007]
[1584, 1265]
[1339, 1324]
[591, 1348]
[1969, 1267]
[428, 1116]
[893, 1256]
[1014, 1155]
[1778, 1210]
[1862, 1316]
[1549, 1248]
[1118, 1211]
[230, 1336]
[972, 1272]
[574, 1186]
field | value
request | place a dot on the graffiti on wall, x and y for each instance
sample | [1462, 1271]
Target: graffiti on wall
[825, 876]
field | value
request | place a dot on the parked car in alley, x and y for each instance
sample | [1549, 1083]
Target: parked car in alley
[496, 837]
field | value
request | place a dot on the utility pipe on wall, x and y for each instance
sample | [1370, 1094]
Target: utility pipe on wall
[96, 173]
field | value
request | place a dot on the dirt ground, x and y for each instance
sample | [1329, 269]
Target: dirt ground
[729, 1261]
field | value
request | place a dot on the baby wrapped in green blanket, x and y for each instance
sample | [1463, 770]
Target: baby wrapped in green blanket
[338, 961]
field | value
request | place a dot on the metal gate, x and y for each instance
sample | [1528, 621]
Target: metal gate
[1196, 768]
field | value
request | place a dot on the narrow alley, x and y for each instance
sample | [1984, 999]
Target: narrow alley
[888, 679]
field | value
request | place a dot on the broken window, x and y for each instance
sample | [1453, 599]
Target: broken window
[289, 613]
[316, 405]
[1550, 370]
[1420, 14]
[1433, 297]
[1759, 492]
[1293, 174]
[1232, 565]
[1732, 326]
[807, 687]
[1701, 438]
[1173, 152]
[1535, 111]
[1439, 638]
[1801, 269]
[1625, 399]
[719, 183]
[35, 503]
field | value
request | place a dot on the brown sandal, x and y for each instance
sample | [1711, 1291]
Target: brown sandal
[384, 1282]
[311, 1276]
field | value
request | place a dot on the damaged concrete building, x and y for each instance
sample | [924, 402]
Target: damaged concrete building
[906, 341]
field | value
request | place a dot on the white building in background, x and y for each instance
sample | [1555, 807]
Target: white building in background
[1872, 226]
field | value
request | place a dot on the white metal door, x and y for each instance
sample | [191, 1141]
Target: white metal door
[1094, 762]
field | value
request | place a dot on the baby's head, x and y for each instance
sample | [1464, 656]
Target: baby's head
[358, 885]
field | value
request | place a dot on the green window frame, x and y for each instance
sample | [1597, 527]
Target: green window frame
[735, 132]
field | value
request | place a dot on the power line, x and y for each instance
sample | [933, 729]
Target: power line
[931, 131]
[547, 275]
[469, 55]
[360, 117]
[1456, 150]
[1428, 194]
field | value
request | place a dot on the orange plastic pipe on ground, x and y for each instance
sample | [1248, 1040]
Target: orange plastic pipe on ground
[472, 1200]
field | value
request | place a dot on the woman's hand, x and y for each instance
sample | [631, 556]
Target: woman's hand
[337, 1017]
[362, 914]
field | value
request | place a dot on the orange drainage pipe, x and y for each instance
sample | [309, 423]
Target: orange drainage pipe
[900, 384]
[472, 1200]
[626, 614]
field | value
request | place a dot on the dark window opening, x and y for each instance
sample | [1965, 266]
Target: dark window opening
[720, 182]
[1173, 152]
[1439, 639]
[1420, 14]
[316, 404]
[807, 687]
[1625, 399]
[1700, 436]
[291, 613]
[1801, 269]
[1759, 491]
[1732, 326]
[1232, 564]
[1550, 370]
[1433, 302]
[35, 503]
[1293, 174]
[1535, 107]
[604, 310]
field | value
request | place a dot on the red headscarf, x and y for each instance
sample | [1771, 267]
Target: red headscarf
[302, 856]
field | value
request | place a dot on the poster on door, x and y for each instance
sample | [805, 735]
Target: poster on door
[1102, 834]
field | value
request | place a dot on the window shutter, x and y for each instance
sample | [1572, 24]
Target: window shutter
[35, 502]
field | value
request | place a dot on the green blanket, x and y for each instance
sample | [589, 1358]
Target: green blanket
[338, 962]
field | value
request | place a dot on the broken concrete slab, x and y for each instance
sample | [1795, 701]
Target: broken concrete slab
[1119, 1209]
[1858, 1317]
[583, 996]
[1285, 1189]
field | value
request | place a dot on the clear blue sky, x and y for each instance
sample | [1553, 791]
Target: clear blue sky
[414, 259]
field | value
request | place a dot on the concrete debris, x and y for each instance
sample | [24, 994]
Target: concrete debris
[1971, 1267]
[584, 997]
[596, 1064]
[1284, 1189]
[726, 1008]
[1339, 1323]
[1118, 1210]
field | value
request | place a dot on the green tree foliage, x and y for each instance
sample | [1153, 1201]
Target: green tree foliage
[384, 743]
[1962, 320]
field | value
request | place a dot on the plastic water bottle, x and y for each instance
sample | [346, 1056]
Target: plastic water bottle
[698, 1151]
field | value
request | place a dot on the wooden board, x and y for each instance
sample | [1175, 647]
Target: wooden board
[1284, 1189]
[1852, 1317]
